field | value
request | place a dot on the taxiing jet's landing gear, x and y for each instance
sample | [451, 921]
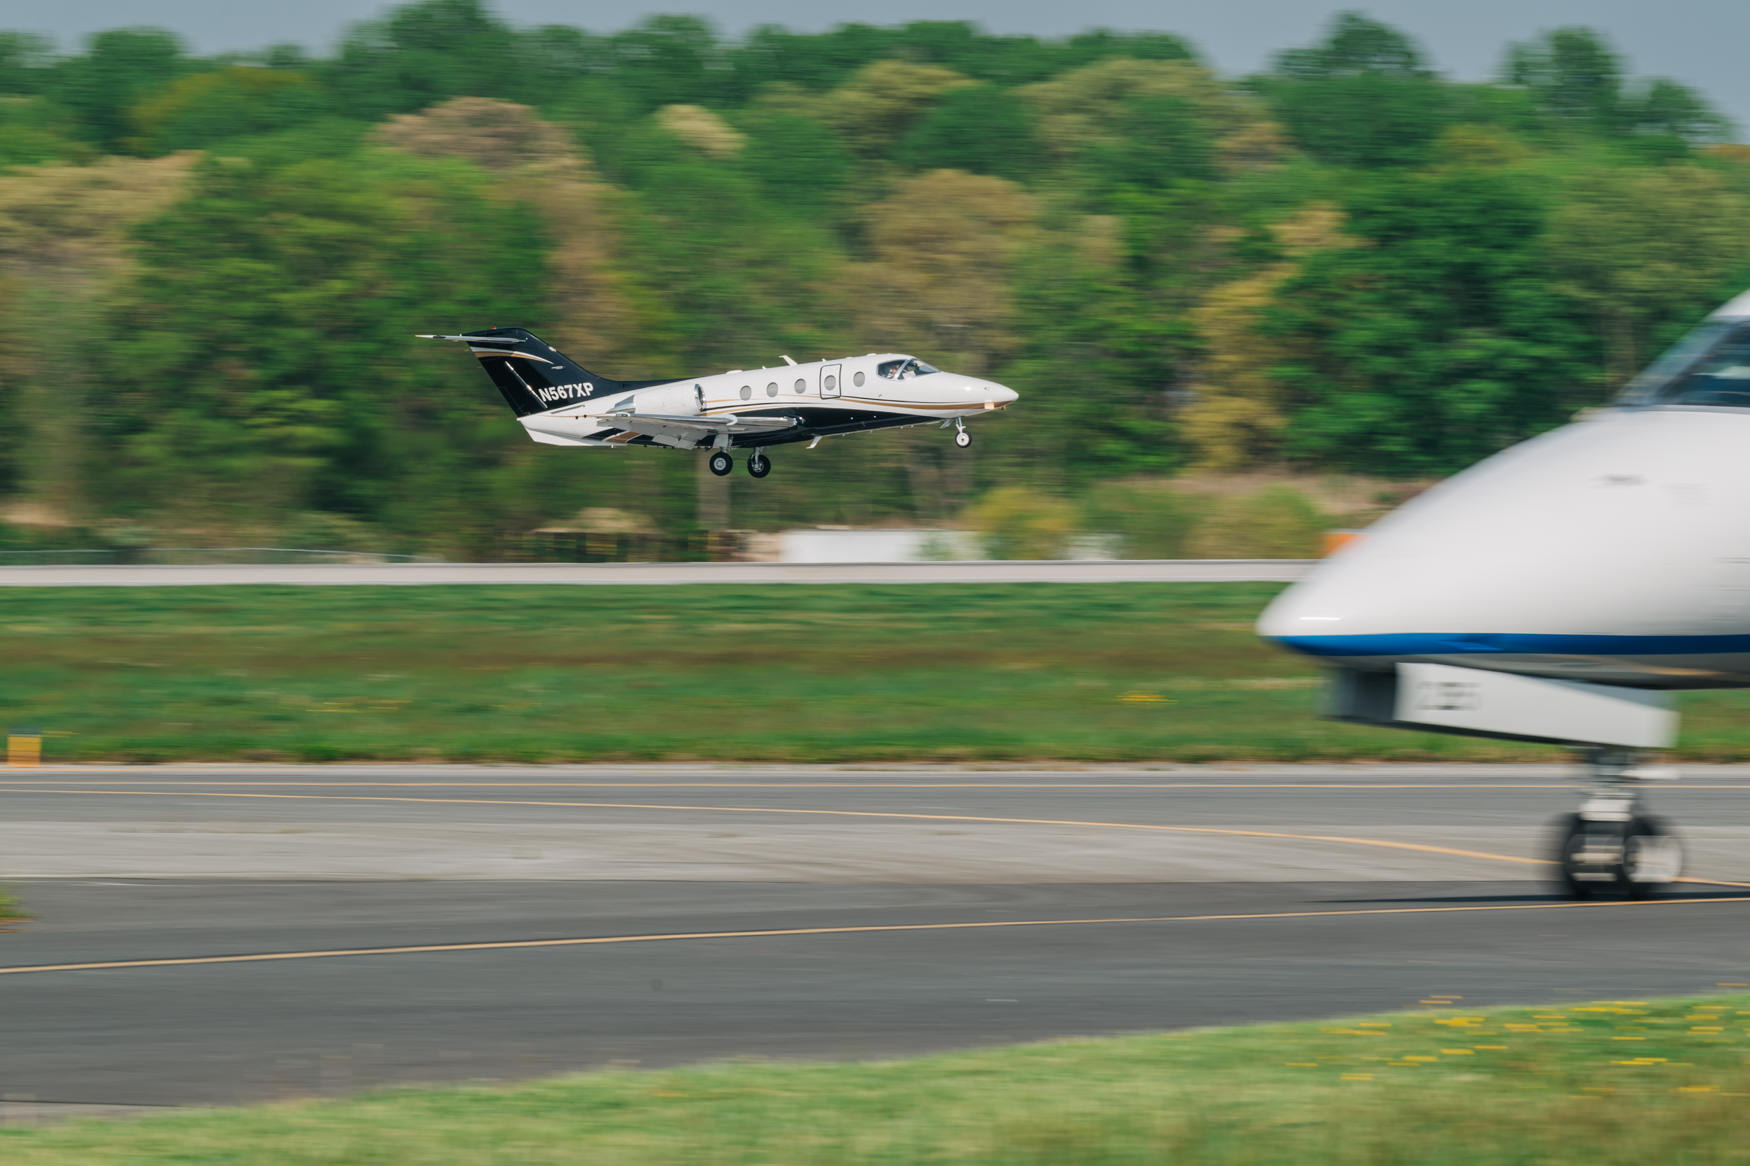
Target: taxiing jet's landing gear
[721, 463]
[758, 464]
[961, 437]
[1612, 845]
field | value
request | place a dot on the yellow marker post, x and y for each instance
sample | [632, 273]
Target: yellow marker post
[24, 748]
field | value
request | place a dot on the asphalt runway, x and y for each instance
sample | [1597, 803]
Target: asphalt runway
[217, 934]
[657, 574]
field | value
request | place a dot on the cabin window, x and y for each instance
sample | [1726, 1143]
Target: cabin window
[858, 379]
[772, 389]
[830, 383]
[746, 392]
[801, 386]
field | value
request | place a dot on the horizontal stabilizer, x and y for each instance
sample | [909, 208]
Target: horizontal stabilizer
[507, 341]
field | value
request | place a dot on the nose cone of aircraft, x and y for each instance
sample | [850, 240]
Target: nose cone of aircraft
[1607, 529]
[998, 395]
[1336, 600]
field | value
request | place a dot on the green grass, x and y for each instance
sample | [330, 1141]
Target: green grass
[1128, 672]
[1594, 1085]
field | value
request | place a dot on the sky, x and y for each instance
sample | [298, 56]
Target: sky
[1699, 42]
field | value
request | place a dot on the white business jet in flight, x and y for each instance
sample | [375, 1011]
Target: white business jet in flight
[561, 403]
[1560, 591]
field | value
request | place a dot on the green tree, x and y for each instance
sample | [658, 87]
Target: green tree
[667, 60]
[880, 102]
[1096, 107]
[1646, 252]
[1160, 143]
[261, 357]
[1278, 522]
[206, 108]
[796, 160]
[1015, 522]
[1439, 340]
[33, 130]
[941, 250]
[1574, 73]
[25, 60]
[1661, 109]
[981, 129]
[1361, 97]
[426, 52]
[1099, 358]
[118, 70]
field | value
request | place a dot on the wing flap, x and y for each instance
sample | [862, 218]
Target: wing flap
[668, 427]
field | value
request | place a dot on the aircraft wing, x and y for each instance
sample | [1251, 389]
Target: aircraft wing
[669, 428]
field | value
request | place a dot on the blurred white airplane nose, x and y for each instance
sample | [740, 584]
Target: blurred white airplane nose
[999, 395]
[1332, 601]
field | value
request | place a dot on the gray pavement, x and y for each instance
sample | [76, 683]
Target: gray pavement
[1322, 918]
[621, 574]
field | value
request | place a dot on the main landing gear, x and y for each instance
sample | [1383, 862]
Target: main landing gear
[1612, 845]
[961, 437]
[758, 464]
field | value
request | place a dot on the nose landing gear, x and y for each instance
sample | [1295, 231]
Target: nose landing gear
[1612, 845]
[758, 464]
[961, 437]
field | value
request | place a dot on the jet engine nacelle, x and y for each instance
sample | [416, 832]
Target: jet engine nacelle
[683, 400]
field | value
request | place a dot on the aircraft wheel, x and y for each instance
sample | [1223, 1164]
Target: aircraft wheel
[721, 463]
[1574, 875]
[758, 464]
[963, 439]
[1637, 859]
[1652, 859]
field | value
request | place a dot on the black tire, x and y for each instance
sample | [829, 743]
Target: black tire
[721, 463]
[963, 439]
[758, 464]
[1652, 858]
[1648, 857]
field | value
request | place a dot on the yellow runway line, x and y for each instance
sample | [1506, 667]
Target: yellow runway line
[891, 815]
[857, 929]
[888, 815]
[889, 785]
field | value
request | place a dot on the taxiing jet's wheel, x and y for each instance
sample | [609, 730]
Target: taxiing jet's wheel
[1652, 859]
[1636, 859]
[1572, 845]
[963, 439]
[759, 465]
[721, 463]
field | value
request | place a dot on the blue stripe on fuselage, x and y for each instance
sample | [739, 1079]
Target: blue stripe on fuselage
[1511, 643]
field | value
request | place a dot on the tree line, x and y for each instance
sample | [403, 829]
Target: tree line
[1347, 262]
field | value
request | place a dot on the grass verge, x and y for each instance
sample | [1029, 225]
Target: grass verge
[1626, 1082]
[1124, 672]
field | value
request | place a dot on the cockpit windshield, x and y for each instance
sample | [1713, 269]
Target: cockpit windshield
[1710, 366]
[904, 368]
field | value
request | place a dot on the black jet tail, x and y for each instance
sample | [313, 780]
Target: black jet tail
[533, 376]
